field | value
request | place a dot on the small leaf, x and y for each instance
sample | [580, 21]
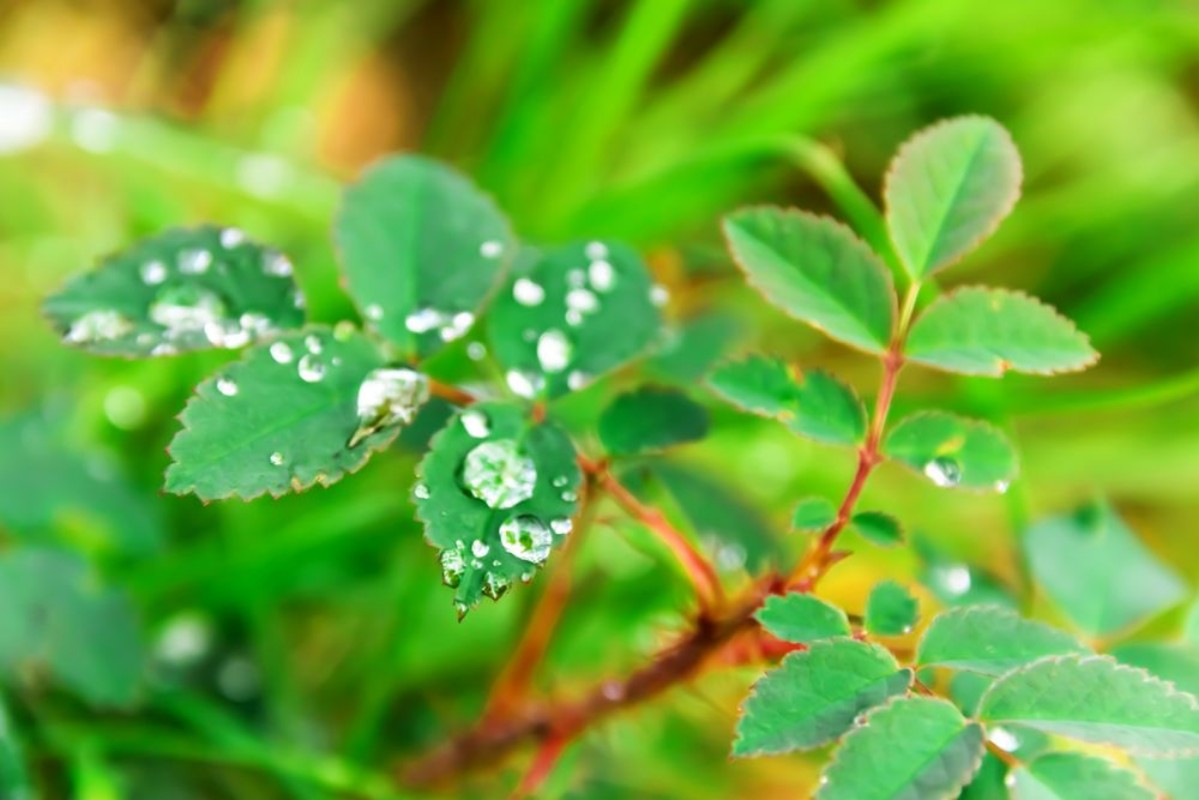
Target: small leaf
[818, 271]
[422, 248]
[947, 189]
[814, 404]
[953, 451]
[571, 314]
[802, 618]
[651, 419]
[280, 420]
[1069, 776]
[814, 696]
[58, 619]
[878, 528]
[1094, 699]
[182, 290]
[1097, 572]
[914, 747]
[814, 514]
[990, 640]
[498, 493]
[891, 610]
[982, 331]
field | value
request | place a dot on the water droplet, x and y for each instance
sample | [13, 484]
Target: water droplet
[281, 352]
[574, 318]
[311, 368]
[494, 585]
[153, 273]
[499, 474]
[524, 384]
[194, 261]
[226, 386]
[420, 491]
[276, 264]
[98, 325]
[1009, 780]
[476, 351]
[423, 320]
[596, 250]
[561, 525]
[528, 293]
[582, 300]
[313, 343]
[374, 312]
[492, 248]
[554, 351]
[387, 397]
[526, 538]
[1004, 739]
[344, 330]
[659, 295]
[226, 333]
[256, 324]
[1002, 486]
[956, 579]
[576, 278]
[576, 380]
[297, 299]
[601, 275]
[560, 481]
[479, 549]
[476, 424]
[186, 309]
[232, 237]
[453, 566]
[277, 458]
[184, 640]
[569, 497]
[943, 471]
[457, 327]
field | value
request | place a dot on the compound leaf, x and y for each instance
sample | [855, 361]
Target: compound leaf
[891, 610]
[651, 419]
[813, 514]
[1067, 776]
[1095, 699]
[813, 696]
[983, 331]
[802, 618]
[422, 248]
[182, 290]
[818, 271]
[953, 451]
[915, 748]
[990, 640]
[878, 528]
[947, 189]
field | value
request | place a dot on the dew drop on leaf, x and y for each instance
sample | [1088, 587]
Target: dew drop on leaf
[479, 549]
[313, 343]
[491, 248]
[494, 585]
[943, 471]
[420, 491]
[387, 397]
[281, 352]
[576, 380]
[499, 474]
[311, 368]
[153, 273]
[194, 261]
[226, 386]
[581, 300]
[232, 237]
[453, 566]
[277, 458]
[527, 292]
[527, 538]
[276, 265]
[185, 309]
[98, 325]
[422, 320]
[1002, 486]
[561, 525]
[601, 275]
[374, 312]
[524, 384]
[659, 295]
[476, 424]
[476, 351]
[596, 250]
[554, 351]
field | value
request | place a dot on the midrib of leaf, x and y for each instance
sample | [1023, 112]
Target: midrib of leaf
[940, 751]
[1037, 722]
[957, 190]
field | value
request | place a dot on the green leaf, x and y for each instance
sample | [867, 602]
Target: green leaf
[498, 493]
[891, 610]
[988, 782]
[952, 451]
[916, 748]
[814, 696]
[570, 314]
[14, 781]
[802, 618]
[1176, 663]
[1094, 699]
[1070, 776]
[947, 189]
[1177, 777]
[1094, 568]
[955, 582]
[814, 514]
[814, 404]
[284, 417]
[878, 528]
[982, 331]
[990, 640]
[184, 289]
[57, 618]
[650, 419]
[818, 271]
[422, 248]
[690, 349]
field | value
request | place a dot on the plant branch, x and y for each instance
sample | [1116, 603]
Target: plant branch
[448, 392]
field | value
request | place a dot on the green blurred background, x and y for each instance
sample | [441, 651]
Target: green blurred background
[323, 647]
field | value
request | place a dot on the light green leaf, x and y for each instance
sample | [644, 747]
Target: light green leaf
[1177, 777]
[1095, 699]
[498, 493]
[1177, 663]
[802, 618]
[983, 331]
[813, 514]
[651, 419]
[184, 289]
[878, 528]
[571, 314]
[990, 640]
[814, 696]
[913, 748]
[58, 619]
[283, 418]
[953, 451]
[422, 248]
[1073, 776]
[1097, 572]
[891, 610]
[947, 189]
[691, 348]
[818, 271]
[813, 404]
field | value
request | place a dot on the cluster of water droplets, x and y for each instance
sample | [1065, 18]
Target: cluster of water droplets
[449, 325]
[388, 397]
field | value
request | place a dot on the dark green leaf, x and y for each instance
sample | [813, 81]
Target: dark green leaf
[878, 528]
[1073, 776]
[650, 419]
[802, 618]
[891, 610]
[185, 289]
[813, 514]
[990, 640]
[953, 451]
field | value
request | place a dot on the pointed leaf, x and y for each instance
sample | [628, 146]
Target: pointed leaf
[914, 748]
[280, 420]
[990, 640]
[891, 610]
[422, 248]
[818, 271]
[947, 189]
[498, 493]
[813, 514]
[802, 618]
[814, 696]
[982, 331]
[878, 528]
[651, 419]
[1068, 776]
[570, 314]
[813, 404]
[953, 451]
[1097, 572]
[184, 289]
[1095, 699]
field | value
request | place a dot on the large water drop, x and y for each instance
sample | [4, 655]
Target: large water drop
[527, 538]
[387, 397]
[499, 474]
[944, 471]
[554, 351]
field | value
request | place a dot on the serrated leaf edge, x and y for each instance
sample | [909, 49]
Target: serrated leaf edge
[973, 421]
[970, 610]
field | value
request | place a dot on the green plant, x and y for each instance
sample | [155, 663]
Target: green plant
[504, 484]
